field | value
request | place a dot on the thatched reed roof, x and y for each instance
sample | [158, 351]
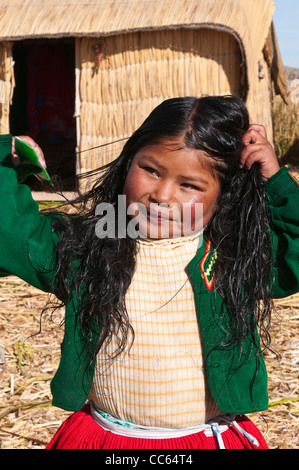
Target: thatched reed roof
[21, 19]
[248, 21]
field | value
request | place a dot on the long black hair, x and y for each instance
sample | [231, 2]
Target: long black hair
[102, 269]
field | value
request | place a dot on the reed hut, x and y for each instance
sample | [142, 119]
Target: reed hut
[121, 58]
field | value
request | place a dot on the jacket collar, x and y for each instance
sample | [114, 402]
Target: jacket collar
[201, 267]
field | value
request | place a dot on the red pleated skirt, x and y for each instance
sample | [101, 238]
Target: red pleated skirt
[81, 431]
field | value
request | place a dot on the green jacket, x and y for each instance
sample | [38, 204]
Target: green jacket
[27, 250]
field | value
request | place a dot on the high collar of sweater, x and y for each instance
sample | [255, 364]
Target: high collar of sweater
[170, 243]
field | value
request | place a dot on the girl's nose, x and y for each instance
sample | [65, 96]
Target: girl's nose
[163, 192]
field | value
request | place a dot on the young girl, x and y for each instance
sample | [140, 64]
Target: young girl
[164, 336]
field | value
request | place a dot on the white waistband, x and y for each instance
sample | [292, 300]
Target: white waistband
[214, 428]
[124, 428]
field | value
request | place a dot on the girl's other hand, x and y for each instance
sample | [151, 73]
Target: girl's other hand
[258, 149]
[15, 158]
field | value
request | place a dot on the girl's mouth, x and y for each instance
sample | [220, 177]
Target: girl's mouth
[159, 215]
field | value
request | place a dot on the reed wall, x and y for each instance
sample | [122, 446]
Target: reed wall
[123, 77]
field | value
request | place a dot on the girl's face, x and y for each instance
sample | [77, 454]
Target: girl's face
[175, 187]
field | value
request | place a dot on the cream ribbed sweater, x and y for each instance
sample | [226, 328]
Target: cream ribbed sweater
[160, 381]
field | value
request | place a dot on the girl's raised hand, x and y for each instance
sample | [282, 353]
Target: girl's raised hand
[258, 149]
[15, 158]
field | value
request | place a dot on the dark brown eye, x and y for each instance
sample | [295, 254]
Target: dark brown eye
[191, 186]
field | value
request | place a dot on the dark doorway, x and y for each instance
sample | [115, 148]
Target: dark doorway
[43, 104]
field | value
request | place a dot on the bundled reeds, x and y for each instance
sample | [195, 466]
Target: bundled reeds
[286, 129]
[137, 71]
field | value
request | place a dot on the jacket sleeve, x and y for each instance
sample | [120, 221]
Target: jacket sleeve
[27, 241]
[283, 193]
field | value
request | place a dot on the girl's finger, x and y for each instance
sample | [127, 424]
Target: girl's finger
[250, 151]
[259, 128]
[255, 134]
[265, 156]
[35, 147]
[15, 159]
[253, 157]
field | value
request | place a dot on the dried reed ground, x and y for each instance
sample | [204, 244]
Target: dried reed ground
[27, 419]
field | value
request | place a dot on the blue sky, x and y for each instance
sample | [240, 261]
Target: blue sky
[286, 21]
